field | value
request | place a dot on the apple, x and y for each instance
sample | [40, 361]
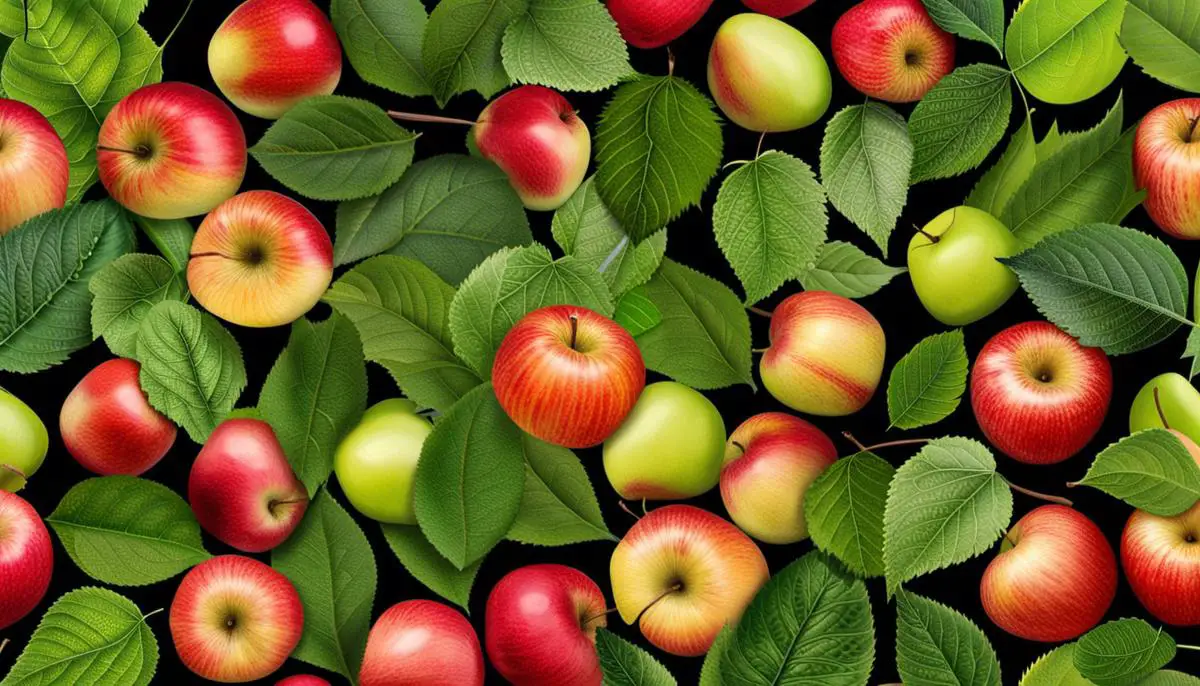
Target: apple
[1054, 578]
[269, 55]
[568, 375]
[302, 680]
[108, 425]
[770, 461]
[1038, 395]
[26, 559]
[1180, 402]
[777, 8]
[540, 626]
[1161, 558]
[952, 262]
[234, 619]
[826, 354]
[654, 23]
[34, 169]
[1166, 164]
[682, 574]
[891, 49]
[767, 76]
[377, 461]
[422, 642]
[243, 490]
[171, 150]
[23, 442]
[260, 259]
[670, 447]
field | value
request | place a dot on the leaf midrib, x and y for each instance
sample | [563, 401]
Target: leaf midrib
[1071, 30]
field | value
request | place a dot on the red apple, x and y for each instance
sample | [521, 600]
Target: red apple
[777, 8]
[269, 55]
[540, 626]
[1038, 395]
[260, 259]
[891, 49]
[1161, 557]
[422, 643]
[242, 488]
[34, 170]
[654, 23]
[1054, 578]
[1166, 162]
[26, 559]
[685, 573]
[171, 150]
[568, 375]
[302, 680]
[234, 619]
[108, 425]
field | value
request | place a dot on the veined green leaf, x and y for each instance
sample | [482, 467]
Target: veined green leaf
[926, 384]
[997, 187]
[382, 39]
[844, 509]
[427, 565]
[559, 506]
[1163, 38]
[172, 237]
[844, 269]
[461, 47]
[1122, 652]
[141, 64]
[570, 45]
[124, 291]
[1151, 470]
[1055, 668]
[637, 313]
[938, 645]
[959, 121]
[1065, 51]
[981, 20]
[624, 664]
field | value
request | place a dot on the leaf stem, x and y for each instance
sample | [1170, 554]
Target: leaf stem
[1186, 646]
[429, 118]
[3, 644]
[759, 311]
[151, 613]
[857, 444]
[1058, 500]
[177, 25]
[670, 61]
[621, 504]
[896, 444]
[758, 150]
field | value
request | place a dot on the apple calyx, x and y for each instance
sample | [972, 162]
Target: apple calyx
[1190, 136]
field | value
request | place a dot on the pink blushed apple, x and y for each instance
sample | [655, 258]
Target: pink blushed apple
[1161, 558]
[891, 49]
[777, 8]
[34, 170]
[422, 643]
[26, 559]
[654, 23]
[302, 680]
[1166, 162]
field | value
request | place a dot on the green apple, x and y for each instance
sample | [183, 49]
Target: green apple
[1180, 405]
[670, 447]
[23, 442]
[952, 262]
[377, 461]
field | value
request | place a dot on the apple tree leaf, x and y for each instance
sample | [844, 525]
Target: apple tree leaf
[461, 46]
[997, 187]
[124, 291]
[559, 506]
[426, 564]
[710, 671]
[637, 313]
[569, 45]
[1150, 470]
[1055, 668]
[936, 644]
[624, 664]
[1163, 38]
[172, 237]
[1192, 352]
[959, 121]
[844, 269]
[1169, 677]
[1065, 51]
[121, 15]
[844, 510]
[979, 20]
[1122, 652]
[927, 384]
[140, 65]
[382, 40]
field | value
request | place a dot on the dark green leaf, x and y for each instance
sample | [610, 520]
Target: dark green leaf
[624, 664]
[570, 45]
[1123, 652]
[844, 269]
[959, 121]
[636, 312]
[1151, 470]
[382, 40]
[427, 565]
[844, 509]
[124, 291]
[559, 506]
[926, 384]
[461, 47]
[937, 645]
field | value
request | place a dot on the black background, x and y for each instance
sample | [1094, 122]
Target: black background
[691, 242]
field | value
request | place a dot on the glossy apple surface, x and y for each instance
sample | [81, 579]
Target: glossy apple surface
[766, 75]
[234, 619]
[26, 559]
[777, 8]
[1054, 578]
[420, 642]
[260, 259]
[568, 375]
[171, 150]
[377, 461]
[891, 49]
[954, 269]
[302, 680]
[1180, 402]
[23, 442]
[670, 447]
[1166, 162]
[34, 170]
[269, 55]
[826, 354]
[1038, 395]
[1161, 558]
[654, 23]
[540, 626]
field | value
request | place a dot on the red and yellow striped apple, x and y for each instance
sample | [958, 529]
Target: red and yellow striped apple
[34, 170]
[1161, 558]
[1166, 162]
[422, 642]
[171, 150]
[654, 23]
[26, 559]
[260, 259]
[891, 49]
[826, 354]
[269, 55]
[23, 442]
[682, 574]
[377, 461]
[777, 8]
[770, 461]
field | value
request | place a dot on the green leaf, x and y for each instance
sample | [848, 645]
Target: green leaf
[1150, 470]
[1163, 38]
[980, 20]
[121, 15]
[124, 291]
[710, 671]
[461, 48]
[141, 64]
[1192, 351]
[586, 230]
[704, 338]
[624, 664]
[998, 186]
[959, 121]
[1055, 668]
[172, 237]
[382, 40]
[314, 395]
[1065, 51]
[559, 506]
[637, 313]
[1110, 287]
[126, 531]
[844, 510]
[926, 385]
[846, 270]
[658, 145]
[46, 265]
[770, 221]
[449, 212]
[1169, 677]
[192, 369]
[88, 636]
[470, 478]
[329, 561]
[427, 565]
[401, 310]
[936, 644]
[810, 623]
[570, 45]
[331, 147]
[946, 505]
[1122, 652]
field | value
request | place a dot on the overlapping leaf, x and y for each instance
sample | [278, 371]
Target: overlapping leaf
[427, 565]
[844, 269]
[1123, 652]
[936, 644]
[1065, 51]
[570, 45]
[1163, 38]
[959, 121]
[844, 509]
[461, 46]
[382, 40]
[624, 664]
[559, 506]
[997, 187]
[981, 20]
[1151, 470]
[926, 384]
[124, 291]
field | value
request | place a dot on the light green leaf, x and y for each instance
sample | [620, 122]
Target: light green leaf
[126, 531]
[1122, 652]
[121, 15]
[124, 291]
[959, 121]
[461, 48]
[1169, 677]
[1163, 38]
[1150, 470]
[559, 506]
[1055, 668]
[844, 510]
[998, 186]
[382, 40]
[172, 237]
[1065, 51]
[1192, 351]
[637, 313]
[710, 671]
[981, 20]
[141, 64]
[844, 269]
[427, 565]
[624, 664]
[570, 45]
[936, 644]
[331, 147]
[658, 145]
[926, 385]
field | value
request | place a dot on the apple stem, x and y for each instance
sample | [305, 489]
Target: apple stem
[429, 118]
[739, 446]
[758, 150]
[139, 151]
[675, 588]
[759, 311]
[670, 61]
[759, 351]
[932, 238]
[574, 329]
[3, 644]
[1162, 416]
[857, 444]
[1058, 500]
[591, 618]
[14, 470]
[896, 444]
[621, 504]
[205, 254]
[612, 256]
[1191, 137]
